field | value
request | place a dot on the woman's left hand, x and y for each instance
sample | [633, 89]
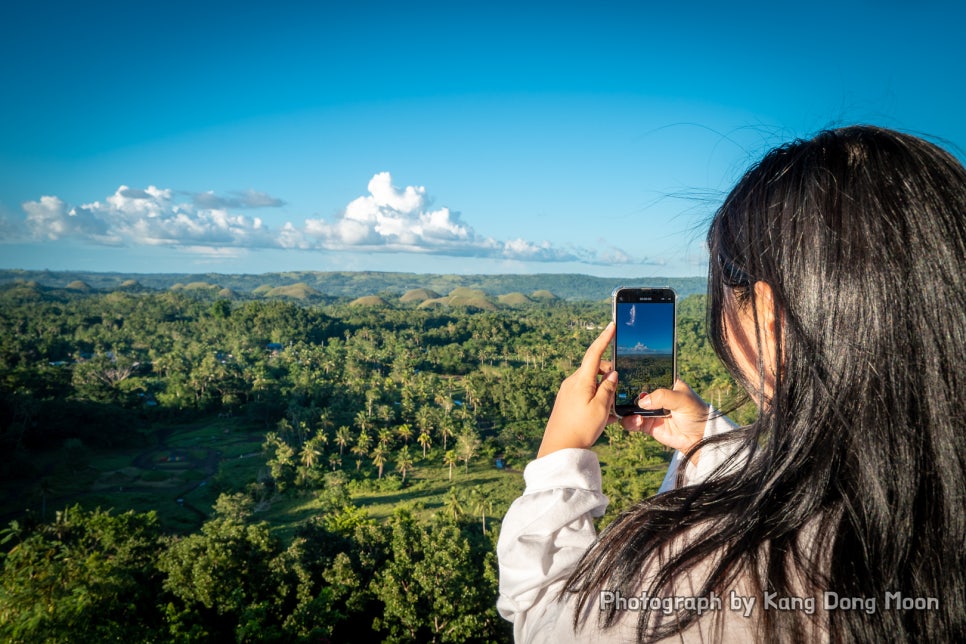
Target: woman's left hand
[583, 406]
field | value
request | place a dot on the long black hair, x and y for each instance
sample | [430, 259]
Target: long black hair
[853, 478]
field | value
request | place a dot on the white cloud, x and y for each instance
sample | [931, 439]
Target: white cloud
[398, 219]
[388, 218]
[150, 217]
[50, 218]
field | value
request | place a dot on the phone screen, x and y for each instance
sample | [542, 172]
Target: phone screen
[644, 345]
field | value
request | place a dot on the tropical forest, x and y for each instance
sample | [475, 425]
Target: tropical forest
[288, 458]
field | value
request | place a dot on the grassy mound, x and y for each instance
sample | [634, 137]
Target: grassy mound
[418, 295]
[514, 299]
[369, 300]
[298, 291]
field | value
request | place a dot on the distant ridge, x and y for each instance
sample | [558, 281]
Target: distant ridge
[353, 285]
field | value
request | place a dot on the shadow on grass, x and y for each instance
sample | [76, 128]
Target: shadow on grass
[400, 496]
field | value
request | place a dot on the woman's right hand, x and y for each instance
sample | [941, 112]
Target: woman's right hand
[685, 425]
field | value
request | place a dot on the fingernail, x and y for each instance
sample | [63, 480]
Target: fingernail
[645, 401]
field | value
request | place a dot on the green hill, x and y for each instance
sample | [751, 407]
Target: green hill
[79, 285]
[369, 300]
[418, 295]
[299, 291]
[544, 295]
[514, 299]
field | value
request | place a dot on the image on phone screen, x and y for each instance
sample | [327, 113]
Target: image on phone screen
[644, 346]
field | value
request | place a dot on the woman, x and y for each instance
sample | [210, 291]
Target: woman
[838, 300]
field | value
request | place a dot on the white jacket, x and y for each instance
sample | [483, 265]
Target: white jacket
[547, 530]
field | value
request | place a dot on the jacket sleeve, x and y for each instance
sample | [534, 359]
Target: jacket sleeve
[544, 534]
[547, 530]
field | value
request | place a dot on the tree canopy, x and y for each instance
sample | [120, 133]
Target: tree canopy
[346, 402]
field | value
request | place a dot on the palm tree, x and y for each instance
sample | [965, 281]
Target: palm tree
[472, 393]
[335, 460]
[467, 445]
[404, 462]
[450, 459]
[385, 437]
[325, 422]
[405, 432]
[453, 504]
[384, 414]
[342, 437]
[379, 454]
[481, 503]
[310, 454]
[445, 400]
[364, 441]
[446, 429]
[362, 421]
[371, 397]
[360, 453]
[424, 419]
[425, 441]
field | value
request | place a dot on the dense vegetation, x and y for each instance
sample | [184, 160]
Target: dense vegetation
[342, 453]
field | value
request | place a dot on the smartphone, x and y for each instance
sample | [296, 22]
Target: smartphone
[645, 348]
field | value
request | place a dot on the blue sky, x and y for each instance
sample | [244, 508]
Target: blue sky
[641, 326]
[464, 137]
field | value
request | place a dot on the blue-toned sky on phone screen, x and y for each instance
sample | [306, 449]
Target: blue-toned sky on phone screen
[645, 328]
[454, 137]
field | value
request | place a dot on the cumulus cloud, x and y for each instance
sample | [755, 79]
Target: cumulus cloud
[148, 216]
[388, 218]
[398, 219]
[50, 218]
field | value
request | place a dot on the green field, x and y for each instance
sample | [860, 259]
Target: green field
[179, 461]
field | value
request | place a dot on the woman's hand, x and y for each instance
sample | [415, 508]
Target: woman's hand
[683, 428]
[583, 406]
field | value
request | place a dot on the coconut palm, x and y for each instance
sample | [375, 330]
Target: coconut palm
[359, 453]
[446, 429]
[342, 437]
[425, 441]
[364, 441]
[379, 456]
[424, 419]
[404, 462]
[405, 432]
[450, 459]
[467, 445]
[385, 437]
[453, 504]
[481, 503]
[310, 454]
[362, 421]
